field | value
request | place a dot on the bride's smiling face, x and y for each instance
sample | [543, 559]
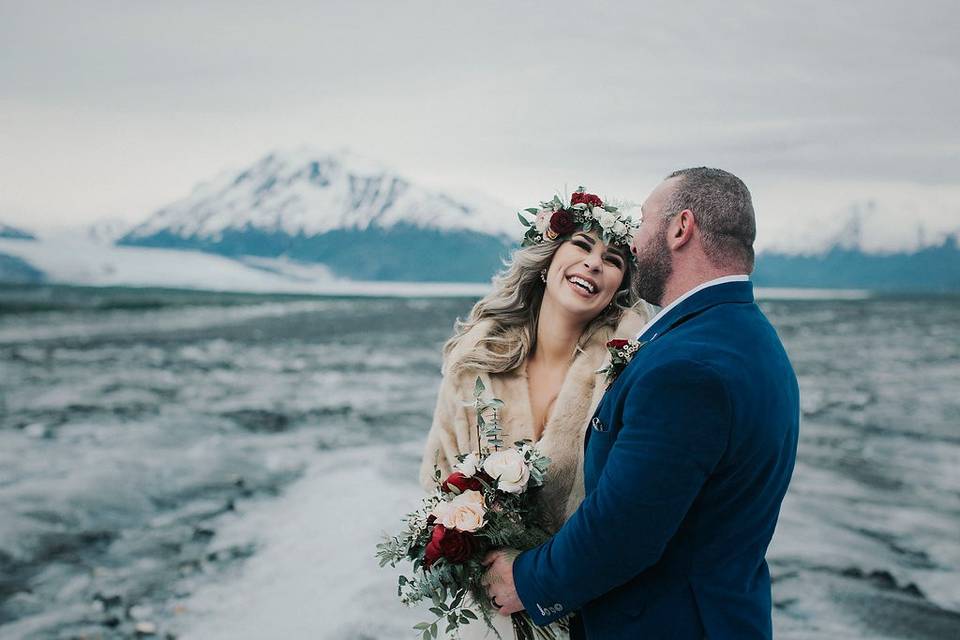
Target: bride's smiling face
[585, 274]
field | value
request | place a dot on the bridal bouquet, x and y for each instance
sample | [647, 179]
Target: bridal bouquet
[484, 504]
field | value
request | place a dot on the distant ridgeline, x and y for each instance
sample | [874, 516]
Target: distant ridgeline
[15, 270]
[408, 253]
[933, 269]
[403, 252]
[6, 231]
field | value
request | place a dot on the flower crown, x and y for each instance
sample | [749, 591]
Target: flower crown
[586, 212]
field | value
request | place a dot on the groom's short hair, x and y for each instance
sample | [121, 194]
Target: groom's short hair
[723, 208]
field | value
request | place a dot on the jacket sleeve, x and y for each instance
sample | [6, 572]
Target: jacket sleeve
[674, 428]
[449, 433]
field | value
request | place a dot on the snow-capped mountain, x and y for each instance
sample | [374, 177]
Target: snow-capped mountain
[314, 222]
[6, 231]
[354, 215]
[875, 228]
[310, 192]
[866, 246]
[869, 225]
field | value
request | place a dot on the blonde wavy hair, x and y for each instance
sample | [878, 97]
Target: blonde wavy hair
[514, 308]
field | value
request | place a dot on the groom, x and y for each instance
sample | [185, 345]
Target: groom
[689, 453]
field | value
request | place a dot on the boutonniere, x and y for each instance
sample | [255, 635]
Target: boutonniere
[621, 353]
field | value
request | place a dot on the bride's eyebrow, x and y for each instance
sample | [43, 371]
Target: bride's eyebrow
[584, 236]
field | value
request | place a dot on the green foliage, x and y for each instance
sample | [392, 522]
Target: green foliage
[488, 428]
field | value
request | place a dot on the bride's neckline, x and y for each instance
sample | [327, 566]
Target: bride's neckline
[551, 406]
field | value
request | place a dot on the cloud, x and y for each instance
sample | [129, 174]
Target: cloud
[116, 109]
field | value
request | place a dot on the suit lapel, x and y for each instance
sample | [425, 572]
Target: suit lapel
[728, 292]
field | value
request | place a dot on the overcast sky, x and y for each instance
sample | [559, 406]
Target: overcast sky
[116, 109]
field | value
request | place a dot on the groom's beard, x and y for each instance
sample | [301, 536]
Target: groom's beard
[654, 266]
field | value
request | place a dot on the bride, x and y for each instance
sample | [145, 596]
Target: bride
[537, 341]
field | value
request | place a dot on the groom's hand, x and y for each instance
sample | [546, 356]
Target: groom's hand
[499, 581]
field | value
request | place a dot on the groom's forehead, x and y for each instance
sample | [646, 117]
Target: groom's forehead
[658, 196]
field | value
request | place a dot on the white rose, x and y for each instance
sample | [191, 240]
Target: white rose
[441, 511]
[510, 470]
[619, 228]
[464, 513]
[543, 220]
[607, 219]
[469, 465]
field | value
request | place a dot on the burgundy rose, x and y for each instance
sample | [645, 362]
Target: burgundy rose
[562, 223]
[586, 198]
[455, 546]
[461, 482]
[618, 344]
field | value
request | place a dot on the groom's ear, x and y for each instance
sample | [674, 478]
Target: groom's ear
[681, 229]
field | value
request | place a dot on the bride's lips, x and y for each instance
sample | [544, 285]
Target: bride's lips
[583, 286]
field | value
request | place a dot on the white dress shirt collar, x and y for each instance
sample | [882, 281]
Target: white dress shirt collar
[710, 283]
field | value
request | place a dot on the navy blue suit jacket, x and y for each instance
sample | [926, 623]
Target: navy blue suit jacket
[687, 460]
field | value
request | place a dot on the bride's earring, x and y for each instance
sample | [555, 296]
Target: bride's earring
[543, 275]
